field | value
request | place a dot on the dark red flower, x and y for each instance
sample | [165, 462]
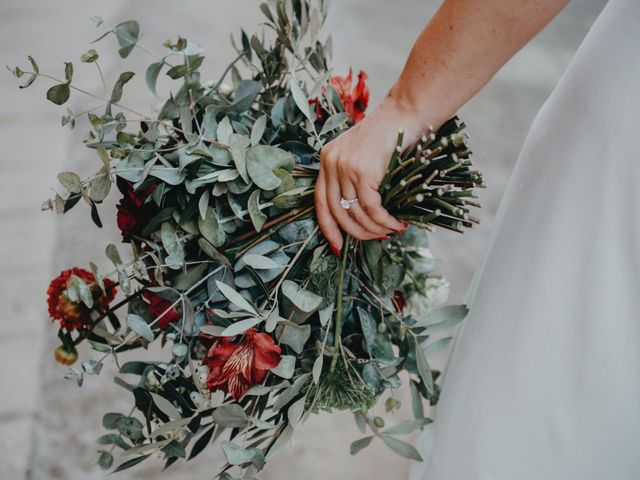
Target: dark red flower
[399, 301]
[158, 306]
[133, 212]
[73, 315]
[237, 365]
[355, 101]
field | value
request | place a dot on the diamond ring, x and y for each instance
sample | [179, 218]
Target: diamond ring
[347, 202]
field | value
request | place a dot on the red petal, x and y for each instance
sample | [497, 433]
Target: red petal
[267, 353]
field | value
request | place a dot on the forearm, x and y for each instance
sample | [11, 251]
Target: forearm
[459, 51]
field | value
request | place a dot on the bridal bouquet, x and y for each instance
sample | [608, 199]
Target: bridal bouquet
[259, 324]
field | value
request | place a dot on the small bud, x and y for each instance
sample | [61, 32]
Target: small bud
[423, 139]
[378, 422]
[419, 198]
[399, 149]
[66, 355]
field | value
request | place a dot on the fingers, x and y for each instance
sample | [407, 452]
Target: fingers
[340, 214]
[357, 213]
[327, 224]
[371, 203]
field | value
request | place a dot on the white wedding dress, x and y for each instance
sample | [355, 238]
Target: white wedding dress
[543, 378]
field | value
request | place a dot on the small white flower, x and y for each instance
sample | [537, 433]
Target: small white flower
[437, 291]
[225, 88]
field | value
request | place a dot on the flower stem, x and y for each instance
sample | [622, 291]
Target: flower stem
[339, 293]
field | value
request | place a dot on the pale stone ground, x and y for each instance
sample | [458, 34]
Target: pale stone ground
[47, 425]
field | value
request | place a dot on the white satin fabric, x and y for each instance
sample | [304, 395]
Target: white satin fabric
[543, 378]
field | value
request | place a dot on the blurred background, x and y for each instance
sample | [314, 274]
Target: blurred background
[48, 426]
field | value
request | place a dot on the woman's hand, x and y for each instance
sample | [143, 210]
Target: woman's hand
[352, 166]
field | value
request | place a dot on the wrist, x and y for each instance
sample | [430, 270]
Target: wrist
[419, 115]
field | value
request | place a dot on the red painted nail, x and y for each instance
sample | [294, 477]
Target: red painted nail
[334, 249]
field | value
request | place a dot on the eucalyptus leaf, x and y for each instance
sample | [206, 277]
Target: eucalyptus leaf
[138, 325]
[403, 449]
[235, 298]
[230, 416]
[286, 367]
[300, 98]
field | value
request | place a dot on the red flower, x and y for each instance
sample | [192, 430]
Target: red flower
[73, 315]
[158, 306]
[133, 213]
[399, 301]
[355, 101]
[237, 366]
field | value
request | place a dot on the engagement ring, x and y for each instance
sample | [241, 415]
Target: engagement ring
[347, 202]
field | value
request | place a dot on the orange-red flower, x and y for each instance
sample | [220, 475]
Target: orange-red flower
[158, 306]
[236, 365]
[71, 314]
[355, 101]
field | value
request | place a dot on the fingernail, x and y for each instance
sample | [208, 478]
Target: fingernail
[384, 237]
[334, 249]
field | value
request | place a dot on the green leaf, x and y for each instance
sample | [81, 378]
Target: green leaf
[166, 407]
[258, 218]
[403, 449]
[138, 325]
[295, 412]
[360, 444]
[286, 367]
[240, 326]
[301, 99]
[211, 229]
[128, 34]
[151, 76]
[261, 160]
[238, 456]
[110, 420]
[100, 185]
[113, 439]
[423, 368]
[238, 147]
[295, 336]
[59, 94]
[455, 313]
[260, 262]
[116, 93]
[417, 406]
[230, 416]
[407, 426]
[112, 254]
[68, 72]
[130, 463]
[130, 427]
[83, 290]
[224, 130]
[71, 181]
[317, 368]
[235, 298]
[305, 300]
[209, 123]
[105, 460]
[257, 131]
[436, 347]
[334, 121]
[172, 244]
